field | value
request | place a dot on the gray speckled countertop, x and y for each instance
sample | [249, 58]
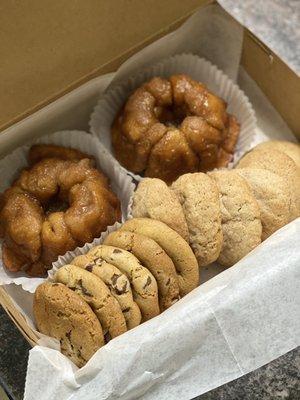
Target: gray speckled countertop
[275, 22]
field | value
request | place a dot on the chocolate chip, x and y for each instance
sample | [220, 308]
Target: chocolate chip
[147, 282]
[86, 293]
[107, 337]
[84, 290]
[68, 335]
[80, 282]
[122, 290]
[98, 260]
[89, 267]
[116, 251]
[114, 278]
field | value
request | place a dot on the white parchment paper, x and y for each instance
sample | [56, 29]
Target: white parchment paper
[234, 323]
[243, 318]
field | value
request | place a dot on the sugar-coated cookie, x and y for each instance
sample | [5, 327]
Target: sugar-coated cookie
[174, 245]
[94, 291]
[154, 199]
[153, 257]
[273, 196]
[278, 162]
[241, 224]
[118, 284]
[199, 196]
[289, 148]
[64, 315]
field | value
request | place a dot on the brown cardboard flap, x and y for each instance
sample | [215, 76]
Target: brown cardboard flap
[279, 83]
[49, 47]
[17, 318]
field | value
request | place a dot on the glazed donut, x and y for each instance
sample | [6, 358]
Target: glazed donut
[169, 127]
[54, 206]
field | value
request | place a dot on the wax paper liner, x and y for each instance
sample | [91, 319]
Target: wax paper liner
[225, 328]
[70, 255]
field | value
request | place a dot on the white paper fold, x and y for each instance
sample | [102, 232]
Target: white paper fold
[238, 321]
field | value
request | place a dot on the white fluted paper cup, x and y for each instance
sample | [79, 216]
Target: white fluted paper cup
[70, 255]
[10, 167]
[197, 68]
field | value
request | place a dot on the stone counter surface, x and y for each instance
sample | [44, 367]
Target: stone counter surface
[275, 22]
[276, 381]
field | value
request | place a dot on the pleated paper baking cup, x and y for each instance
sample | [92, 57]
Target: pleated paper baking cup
[70, 255]
[197, 68]
[10, 167]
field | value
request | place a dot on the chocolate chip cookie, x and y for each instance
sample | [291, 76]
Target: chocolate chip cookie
[94, 291]
[174, 245]
[118, 284]
[64, 315]
[153, 257]
[143, 283]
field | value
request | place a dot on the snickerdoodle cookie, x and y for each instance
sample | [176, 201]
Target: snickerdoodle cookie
[279, 163]
[199, 196]
[273, 196]
[289, 148]
[154, 199]
[241, 224]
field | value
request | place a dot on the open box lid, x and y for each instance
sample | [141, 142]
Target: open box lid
[49, 48]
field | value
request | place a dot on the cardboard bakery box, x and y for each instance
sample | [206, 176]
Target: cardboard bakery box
[57, 58]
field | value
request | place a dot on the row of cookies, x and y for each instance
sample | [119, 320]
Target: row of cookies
[139, 271]
[226, 213]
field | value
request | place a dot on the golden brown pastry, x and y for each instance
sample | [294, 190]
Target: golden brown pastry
[54, 206]
[39, 151]
[169, 127]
